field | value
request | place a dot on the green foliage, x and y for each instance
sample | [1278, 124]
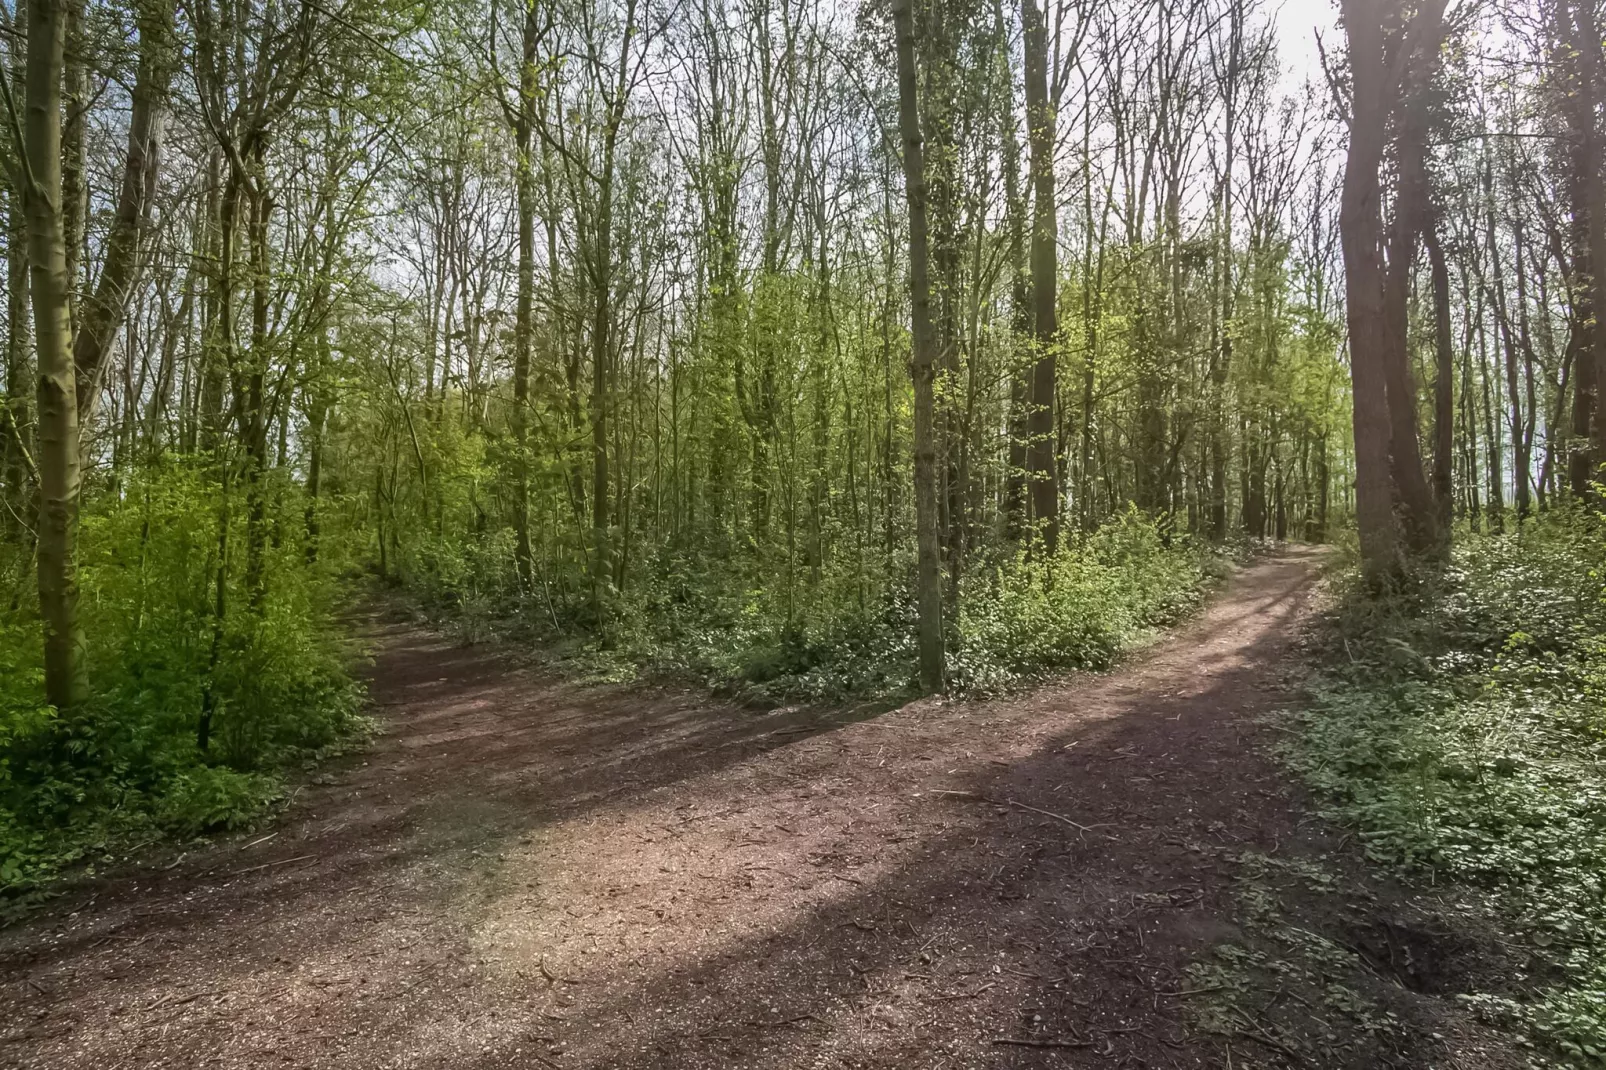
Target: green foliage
[841, 630]
[1463, 731]
[1075, 609]
[127, 763]
[205, 798]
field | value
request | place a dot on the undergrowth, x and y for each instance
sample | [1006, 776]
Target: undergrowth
[1461, 728]
[837, 630]
[81, 788]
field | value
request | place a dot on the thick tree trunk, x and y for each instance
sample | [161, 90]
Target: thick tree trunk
[1593, 164]
[922, 363]
[51, 285]
[1360, 233]
[1416, 503]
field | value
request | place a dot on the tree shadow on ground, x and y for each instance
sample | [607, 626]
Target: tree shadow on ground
[526, 873]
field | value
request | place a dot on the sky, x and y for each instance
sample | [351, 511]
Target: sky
[1298, 22]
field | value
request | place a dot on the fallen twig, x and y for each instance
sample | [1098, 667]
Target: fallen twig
[1190, 991]
[784, 1021]
[1020, 806]
[553, 978]
[266, 865]
[1020, 1042]
[1256, 1033]
[971, 994]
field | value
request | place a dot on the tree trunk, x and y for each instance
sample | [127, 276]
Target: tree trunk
[74, 118]
[1040, 439]
[922, 363]
[217, 343]
[1416, 504]
[1021, 319]
[103, 313]
[253, 423]
[16, 433]
[1491, 432]
[1360, 233]
[51, 284]
[524, 326]
[602, 320]
[1587, 43]
[1443, 381]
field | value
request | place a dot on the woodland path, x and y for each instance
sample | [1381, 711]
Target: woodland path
[526, 873]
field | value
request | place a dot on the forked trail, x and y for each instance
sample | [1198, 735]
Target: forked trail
[524, 873]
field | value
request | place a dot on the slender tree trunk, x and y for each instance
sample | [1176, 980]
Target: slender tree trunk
[1040, 438]
[1021, 318]
[602, 321]
[1443, 381]
[103, 313]
[922, 364]
[317, 422]
[16, 433]
[1491, 430]
[1523, 429]
[217, 340]
[1471, 475]
[74, 119]
[253, 410]
[524, 326]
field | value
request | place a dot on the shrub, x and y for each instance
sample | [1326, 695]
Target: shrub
[275, 675]
[1076, 609]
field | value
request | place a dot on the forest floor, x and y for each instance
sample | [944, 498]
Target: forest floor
[523, 872]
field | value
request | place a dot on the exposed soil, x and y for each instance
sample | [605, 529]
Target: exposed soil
[523, 872]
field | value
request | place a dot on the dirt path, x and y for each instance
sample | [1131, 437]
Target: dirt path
[523, 873]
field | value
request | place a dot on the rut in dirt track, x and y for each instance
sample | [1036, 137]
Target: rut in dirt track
[527, 873]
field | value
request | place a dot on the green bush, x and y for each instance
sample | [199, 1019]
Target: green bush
[1462, 729]
[127, 762]
[1076, 609]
